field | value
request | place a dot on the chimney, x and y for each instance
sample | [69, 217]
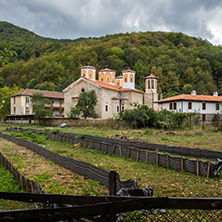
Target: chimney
[194, 93]
[215, 94]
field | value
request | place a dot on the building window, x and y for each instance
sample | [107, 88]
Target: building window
[189, 105]
[217, 106]
[107, 80]
[26, 110]
[123, 107]
[117, 109]
[170, 106]
[14, 100]
[102, 79]
[106, 108]
[175, 106]
[203, 106]
[90, 76]
[14, 110]
[83, 90]
[27, 100]
[131, 79]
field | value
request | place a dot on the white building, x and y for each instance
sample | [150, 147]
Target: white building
[203, 104]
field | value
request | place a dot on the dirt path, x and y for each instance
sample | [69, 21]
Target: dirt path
[51, 177]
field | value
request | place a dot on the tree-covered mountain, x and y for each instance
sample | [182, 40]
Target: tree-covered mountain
[181, 62]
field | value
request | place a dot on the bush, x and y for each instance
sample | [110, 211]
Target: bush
[143, 116]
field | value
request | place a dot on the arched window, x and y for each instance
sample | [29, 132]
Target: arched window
[83, 90]
[101, 77]
[125, 78]
[131, 77]
[90, 74]
[84, 73]
[108, 77]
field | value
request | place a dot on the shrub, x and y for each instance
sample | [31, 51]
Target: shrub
[143, 116]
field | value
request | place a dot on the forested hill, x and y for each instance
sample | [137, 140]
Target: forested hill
[182, 63]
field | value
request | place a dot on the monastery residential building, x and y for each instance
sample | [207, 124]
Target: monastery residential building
[203, 104]
[114, 93]
[21, 102]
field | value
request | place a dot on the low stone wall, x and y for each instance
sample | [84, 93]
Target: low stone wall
[84, 122]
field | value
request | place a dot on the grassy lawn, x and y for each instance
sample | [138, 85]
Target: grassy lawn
[196, 137]
[8, 184]
[164, 182]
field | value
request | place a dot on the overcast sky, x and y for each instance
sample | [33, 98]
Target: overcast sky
[71, 19]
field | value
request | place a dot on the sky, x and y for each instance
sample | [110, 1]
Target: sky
[72, 19]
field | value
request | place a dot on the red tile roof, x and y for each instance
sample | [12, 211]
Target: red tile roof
[88, 67]
[106, 70]
[151, 76]
[193, 98]
[128, 70]
[113, 87]
[46, 93]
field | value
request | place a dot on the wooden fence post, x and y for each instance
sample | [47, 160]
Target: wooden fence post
[168, 161]
[128, 152]
[157, 159]
[182, 164]
[198, 168]
[112, 191]
[147, 155]
[208, 169]
[138, 155]
[120, 151]
[114, 149]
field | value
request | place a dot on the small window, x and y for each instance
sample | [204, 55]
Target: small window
[125, 79]
[174, 105]
[102, 80]
[90, 76]
[123, 107]
[170, 106]
[14, 110]
[117, 83]
[131, 79]
[203, 106]
[83, 90]
[26, 110]
[117, 109]
[189, 105]
[217, 106]
[14, 100]
[106, 108]
[27, 100]
[84, 75]
[107, 80]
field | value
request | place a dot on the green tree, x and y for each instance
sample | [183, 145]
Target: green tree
[38, 103]
[5, 54]
[85, 106]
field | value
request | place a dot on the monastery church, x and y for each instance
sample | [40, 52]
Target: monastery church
[114, 93]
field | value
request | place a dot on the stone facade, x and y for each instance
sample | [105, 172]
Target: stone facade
[113, 93]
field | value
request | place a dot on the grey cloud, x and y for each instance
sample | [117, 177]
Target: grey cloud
[76, 18]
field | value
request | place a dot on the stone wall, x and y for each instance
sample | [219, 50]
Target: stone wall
[84, 122]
